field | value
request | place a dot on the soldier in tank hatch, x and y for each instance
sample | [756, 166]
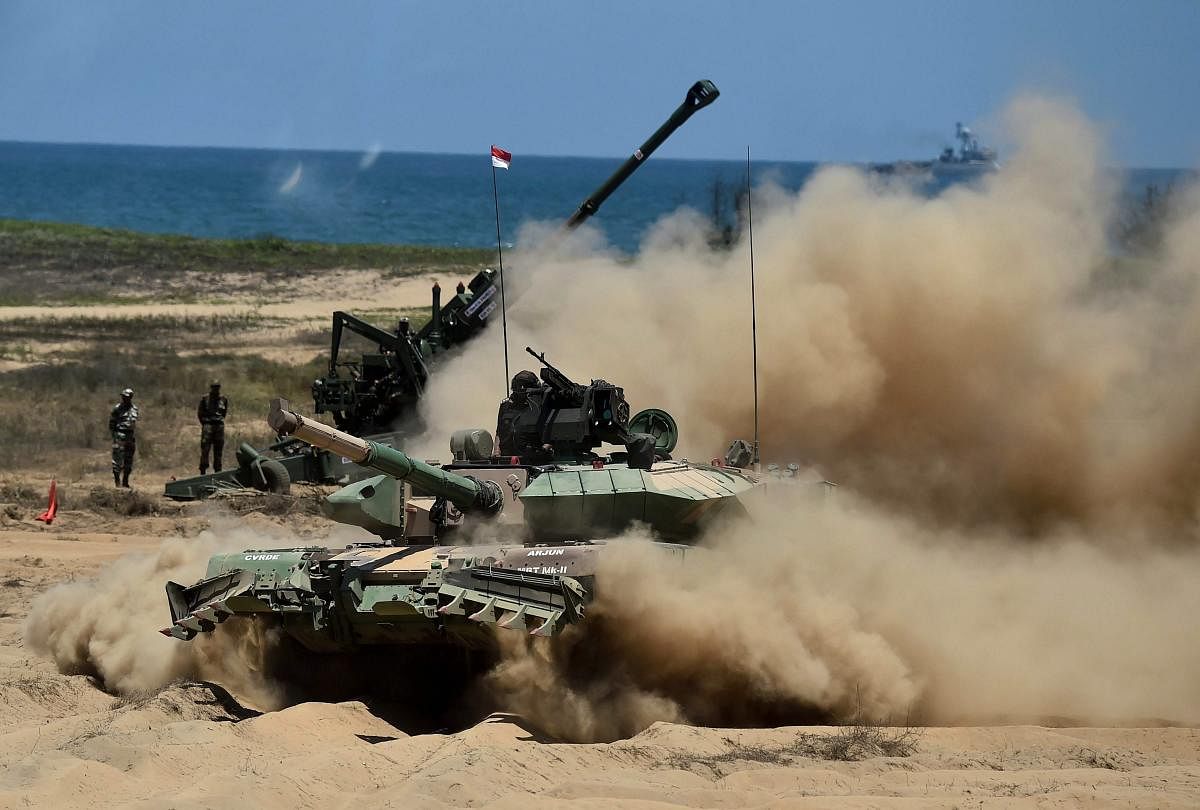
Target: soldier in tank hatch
[122, 422]
[510, 409]
[211, 413]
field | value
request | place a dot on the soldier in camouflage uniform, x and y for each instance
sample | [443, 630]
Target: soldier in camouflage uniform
[211, 413]
[121, 424]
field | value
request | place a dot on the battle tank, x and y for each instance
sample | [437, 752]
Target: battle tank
[510, 540]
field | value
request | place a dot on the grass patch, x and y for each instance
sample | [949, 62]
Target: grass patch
[386, 318]
[55, 416]
[10, 296]
[20, 352]
[127, 329]
[354, 344]
[63, 246]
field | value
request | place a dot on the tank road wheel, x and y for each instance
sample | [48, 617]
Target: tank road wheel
[271, 476]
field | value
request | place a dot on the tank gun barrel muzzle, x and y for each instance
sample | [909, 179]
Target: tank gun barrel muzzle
[467, 493]
[286, 422]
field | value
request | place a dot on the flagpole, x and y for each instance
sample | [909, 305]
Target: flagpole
[753, 307]
[500, 253]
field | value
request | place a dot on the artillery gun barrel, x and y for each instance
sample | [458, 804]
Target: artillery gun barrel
[465, 492]
[699, 96]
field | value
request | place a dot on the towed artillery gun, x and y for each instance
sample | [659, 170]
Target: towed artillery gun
[531, 527]
[376, 394]
[367, 397]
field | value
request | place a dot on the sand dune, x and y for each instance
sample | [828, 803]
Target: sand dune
[186, 748]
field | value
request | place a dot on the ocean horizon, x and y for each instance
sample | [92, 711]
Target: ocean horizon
[373, 196]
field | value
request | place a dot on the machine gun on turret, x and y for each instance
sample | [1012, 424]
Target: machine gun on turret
[554, 378]
[568, 418]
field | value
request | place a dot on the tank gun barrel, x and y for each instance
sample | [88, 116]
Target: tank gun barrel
[699, 96]
[469, 494]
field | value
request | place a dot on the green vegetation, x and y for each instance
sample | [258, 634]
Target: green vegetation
[14, 351]
[54, 416]
[136, 329]
[352, 343]
[386, 318]
[17, 294]
[60, 246]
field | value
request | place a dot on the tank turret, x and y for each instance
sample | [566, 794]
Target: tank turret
[548, 479]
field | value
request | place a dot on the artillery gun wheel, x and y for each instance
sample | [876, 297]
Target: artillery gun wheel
[273, 477]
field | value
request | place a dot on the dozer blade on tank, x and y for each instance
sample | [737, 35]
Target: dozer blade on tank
[537, 516]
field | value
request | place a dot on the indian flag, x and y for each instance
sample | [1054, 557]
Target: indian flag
[500, 158]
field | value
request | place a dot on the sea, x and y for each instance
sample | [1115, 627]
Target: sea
[372, 197]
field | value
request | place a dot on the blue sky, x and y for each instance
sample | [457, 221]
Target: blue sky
[858, 81]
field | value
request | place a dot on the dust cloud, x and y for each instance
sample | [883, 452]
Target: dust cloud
[108, 626]
[1009, 404]
[823, 612]
[974, 358]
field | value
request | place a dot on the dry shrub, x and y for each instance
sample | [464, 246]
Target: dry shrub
[18, 493]
[245, 501]
[125, 502]
[849, 743]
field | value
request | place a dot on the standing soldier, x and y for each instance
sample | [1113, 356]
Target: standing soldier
[211, 413]
[121, 424]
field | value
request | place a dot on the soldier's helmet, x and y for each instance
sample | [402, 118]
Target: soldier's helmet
[214, 384]
[127, 393]
[524, 379]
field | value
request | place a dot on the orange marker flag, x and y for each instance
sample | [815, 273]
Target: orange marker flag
[47, 517]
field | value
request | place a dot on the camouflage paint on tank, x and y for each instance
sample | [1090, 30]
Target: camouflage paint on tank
[373, 595]
[675, 498]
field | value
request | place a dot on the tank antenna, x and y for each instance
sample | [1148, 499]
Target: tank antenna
[501, 159]
[753, 307]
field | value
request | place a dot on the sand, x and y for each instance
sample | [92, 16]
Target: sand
[66, 743]
[306, 298]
